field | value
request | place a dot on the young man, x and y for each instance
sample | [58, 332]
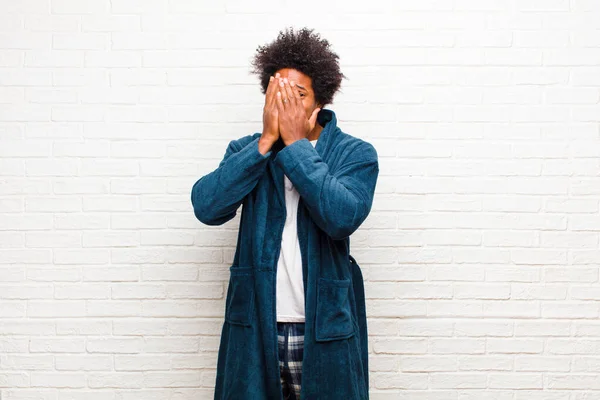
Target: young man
[295, 322]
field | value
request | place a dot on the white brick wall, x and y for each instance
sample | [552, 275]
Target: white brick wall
[481, 254]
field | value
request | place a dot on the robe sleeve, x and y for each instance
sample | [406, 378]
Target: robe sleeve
[337, 201]
[217, 195]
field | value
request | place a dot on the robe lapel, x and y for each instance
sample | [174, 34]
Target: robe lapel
[276, 173]
[328, 121]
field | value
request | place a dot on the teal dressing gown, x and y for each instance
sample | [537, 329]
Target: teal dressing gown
[336, 181]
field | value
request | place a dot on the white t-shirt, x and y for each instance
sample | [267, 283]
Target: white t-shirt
[290, 286]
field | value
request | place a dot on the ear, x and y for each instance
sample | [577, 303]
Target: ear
[319, 106]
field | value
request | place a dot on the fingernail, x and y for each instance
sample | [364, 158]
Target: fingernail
[292, 83]
[271, 79]
[285, 80]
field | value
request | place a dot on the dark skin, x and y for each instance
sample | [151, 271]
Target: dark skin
[290, 110]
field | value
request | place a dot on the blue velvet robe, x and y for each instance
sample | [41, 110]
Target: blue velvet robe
[336, 181]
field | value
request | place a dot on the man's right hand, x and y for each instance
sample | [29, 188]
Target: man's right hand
[270, 132]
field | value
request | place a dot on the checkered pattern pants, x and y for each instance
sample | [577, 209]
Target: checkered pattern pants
[290, 336]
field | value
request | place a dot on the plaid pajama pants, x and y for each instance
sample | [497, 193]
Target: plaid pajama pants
[290, 336]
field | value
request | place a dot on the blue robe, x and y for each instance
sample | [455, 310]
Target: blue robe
[336, 181]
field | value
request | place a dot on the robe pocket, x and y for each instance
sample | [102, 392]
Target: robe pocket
[333, 314]
[240, 302]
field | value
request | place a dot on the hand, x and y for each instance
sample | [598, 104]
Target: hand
[270, 131]
[293, 122]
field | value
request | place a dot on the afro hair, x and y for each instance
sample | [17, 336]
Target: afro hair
[306, 52]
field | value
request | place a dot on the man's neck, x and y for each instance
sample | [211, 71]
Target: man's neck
[315, 133]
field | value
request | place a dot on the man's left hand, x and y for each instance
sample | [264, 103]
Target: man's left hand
[293, 122]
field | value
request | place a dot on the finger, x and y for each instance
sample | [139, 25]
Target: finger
[288, 93]
[285, 97]
[270, 85]
[274, 89]
[280, 107]
[270, 89]
[296, 92]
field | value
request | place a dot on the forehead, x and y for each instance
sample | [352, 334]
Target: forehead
[296, 76]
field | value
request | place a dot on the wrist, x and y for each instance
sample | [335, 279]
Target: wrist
[292, 139]
[265, 144]
[289, 141]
